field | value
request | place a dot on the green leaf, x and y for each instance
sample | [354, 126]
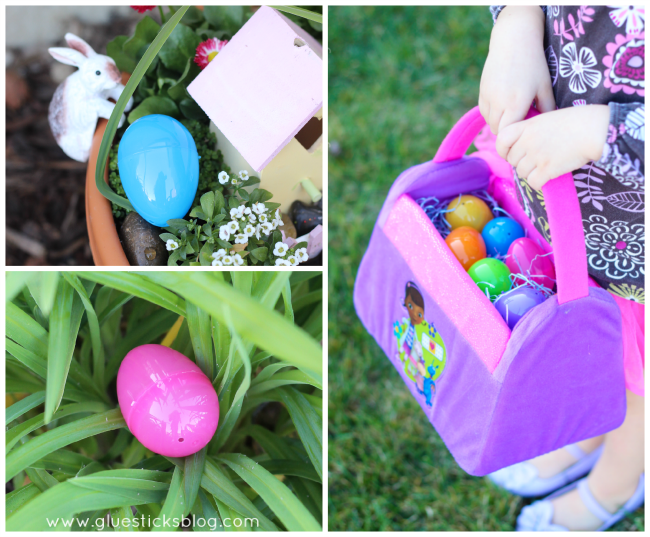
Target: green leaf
[180, 46]
[194, 465]
[266, 329]
[291, 467]
[124, 62]
[307, 423]
[123, 519]
[93, 326]
[283, 379]
[65, 461]
[286, 297]
[25, 405]
[293, 514]
[16, 499]
[24, 330]
[64, 435]
[198, 322]
[301, 12]
[155, 105]
[223, 489]
[175, 506]
[19, 431]
[230, 18]
[207, 204]
[43, 289]
[118, 110]
[232, 415]
[145, 32]
[129, 282]
[219, 201]
[260, 253]
[41, 479]
[191, 110]
[64, 326]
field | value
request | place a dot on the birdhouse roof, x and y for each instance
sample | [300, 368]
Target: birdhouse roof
[263, 86]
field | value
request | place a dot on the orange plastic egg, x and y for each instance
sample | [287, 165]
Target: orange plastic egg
[467, 245]
[468, 211]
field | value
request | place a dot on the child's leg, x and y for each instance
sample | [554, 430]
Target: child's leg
[553, 463]
[615, 476]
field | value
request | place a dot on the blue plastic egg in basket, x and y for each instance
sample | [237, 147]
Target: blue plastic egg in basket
[159, 168]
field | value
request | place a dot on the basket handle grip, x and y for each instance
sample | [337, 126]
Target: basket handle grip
[562, 207]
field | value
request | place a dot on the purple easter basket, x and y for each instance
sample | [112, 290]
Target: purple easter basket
[495, 396]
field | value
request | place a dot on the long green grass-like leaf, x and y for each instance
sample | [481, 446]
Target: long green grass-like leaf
[93, 325]
[286, 297]
[24, 330]
[300, 12]
[194, 466]
[120, 105]
[23, 406]
[198, 322]
[123, 519]
[283, 379]
[17, 498]
[15, 281]
[293, 514]
[64, 326]
[266, 329]
[307, 423]
[81, 495]
[64, 435]
[223, 489]
[147, 331]
[175, 505]
[134, 284]
[29, 359]
[290, 468]
[64, 460]
[43, 289]
[235, 408]
[19, 431]
[205, 510]
[41, 479]
[227, 515]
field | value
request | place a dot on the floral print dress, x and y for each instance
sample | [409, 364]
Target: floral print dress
[596, 55]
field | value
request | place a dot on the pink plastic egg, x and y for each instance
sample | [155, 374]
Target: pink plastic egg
[167, 402]
[525, 256]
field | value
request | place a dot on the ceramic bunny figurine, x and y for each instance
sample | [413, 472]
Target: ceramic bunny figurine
[82, 97]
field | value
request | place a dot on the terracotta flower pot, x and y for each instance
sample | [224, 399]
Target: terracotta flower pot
[104, 240]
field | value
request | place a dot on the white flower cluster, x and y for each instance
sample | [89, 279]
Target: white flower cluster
[281, 250]
[250, 221]
[221, 258]
[242, 177]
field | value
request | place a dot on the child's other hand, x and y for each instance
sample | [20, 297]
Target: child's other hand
[515, 72]
[549, 145]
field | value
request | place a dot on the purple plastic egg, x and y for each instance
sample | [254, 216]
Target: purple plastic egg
[167, 402]
[525, 256]
[514, 304]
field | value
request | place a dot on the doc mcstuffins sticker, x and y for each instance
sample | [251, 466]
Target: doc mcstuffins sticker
[420, 347]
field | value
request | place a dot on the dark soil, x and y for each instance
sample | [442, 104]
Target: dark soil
[45, 206]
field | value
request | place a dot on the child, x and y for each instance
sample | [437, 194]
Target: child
[588, 62]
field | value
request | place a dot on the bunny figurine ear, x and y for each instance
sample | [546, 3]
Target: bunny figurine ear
[79, 44]
[67, 55]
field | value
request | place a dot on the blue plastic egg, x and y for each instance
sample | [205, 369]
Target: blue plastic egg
[499, 233]
[159, 168]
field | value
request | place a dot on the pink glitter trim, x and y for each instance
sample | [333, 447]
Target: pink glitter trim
[444, 279]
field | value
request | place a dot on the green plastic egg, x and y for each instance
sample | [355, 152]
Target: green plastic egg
[490, 275]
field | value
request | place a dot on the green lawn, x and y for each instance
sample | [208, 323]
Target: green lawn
[399, 78]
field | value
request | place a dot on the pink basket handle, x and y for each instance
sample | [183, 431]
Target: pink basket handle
[562, 207]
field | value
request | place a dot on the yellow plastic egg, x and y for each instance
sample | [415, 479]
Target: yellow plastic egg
[468, 211]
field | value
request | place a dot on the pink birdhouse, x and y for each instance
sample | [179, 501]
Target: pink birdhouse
[264, 95]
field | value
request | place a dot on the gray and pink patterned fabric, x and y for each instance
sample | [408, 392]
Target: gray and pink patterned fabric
[495, 396]
[596, 55]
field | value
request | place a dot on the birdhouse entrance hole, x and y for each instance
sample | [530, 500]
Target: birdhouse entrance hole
[310, 133]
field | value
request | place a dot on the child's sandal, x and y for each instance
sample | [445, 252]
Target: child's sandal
[538, 516]
[523, 478]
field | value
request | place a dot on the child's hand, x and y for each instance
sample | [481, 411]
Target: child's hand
[552, 144]
[515, 72]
